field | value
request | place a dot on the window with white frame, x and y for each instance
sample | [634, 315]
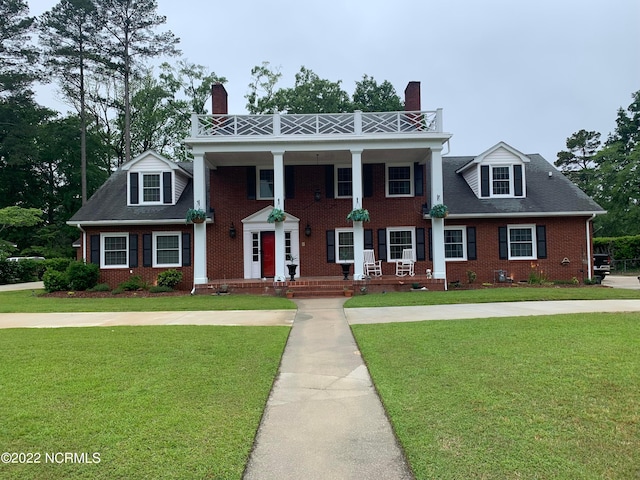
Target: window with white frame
[115, 250]
[151, 187]
[399, 181]
[265, 183]
[522, 242]
[167, 249]
[344, 182]
[399, 239]
[344, 245]
[454, 243]
[501, 180]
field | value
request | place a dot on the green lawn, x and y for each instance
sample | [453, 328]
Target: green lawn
[27, 301]
[153, 402]
[514, 294]
[538, 397]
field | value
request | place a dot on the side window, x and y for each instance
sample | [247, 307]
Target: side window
[399, 181]
[115, 250]
[344, 246]
[522, 242]
[399, 239]
[167, 249]
[344, 186]
[265, 183]
[454, 243]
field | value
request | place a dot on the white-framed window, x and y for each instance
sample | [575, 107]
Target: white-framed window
[167, 249]
[501, 179]
[399, 239]
[265, 183]
[344, 182]
[344, 245]
[151, 187]
[399, 180]
[455, 241]
[115, 250]
[522, 242]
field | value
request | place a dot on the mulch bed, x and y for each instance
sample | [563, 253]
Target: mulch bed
[125, 294]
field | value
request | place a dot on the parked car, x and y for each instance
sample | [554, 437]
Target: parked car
[601, 264]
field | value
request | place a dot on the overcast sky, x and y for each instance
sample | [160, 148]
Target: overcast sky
[529, 73]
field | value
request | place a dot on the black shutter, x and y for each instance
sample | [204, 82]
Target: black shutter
[431, 244]
[418, 179]
[147, 250]
[503, 244]
[251, 183]
[95, 249]
[517, 180]
[368, 239]
[328, 181]
[382, 244]
[420, 244]
[186, 249]
[289, 182]
[331, 246]
[472, 252]
[133, 250]
[167, 189]
[367, 180]
[133, 188]
[484, 181]
[541, 240]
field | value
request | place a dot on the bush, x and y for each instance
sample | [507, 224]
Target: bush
[82, 276]
[160, 289]
[29, 270]
[57, 264]
[55, 281]
[101, 287]
[8, 272]
[134, 283]
[169, 278]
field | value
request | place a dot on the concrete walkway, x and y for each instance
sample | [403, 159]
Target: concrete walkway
[324, 419]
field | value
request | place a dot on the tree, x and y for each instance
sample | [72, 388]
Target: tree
[371, 97]
[264, 83]
[131, 38]
[70, 34]
[18, 58]
[15, 216]
[577, 161]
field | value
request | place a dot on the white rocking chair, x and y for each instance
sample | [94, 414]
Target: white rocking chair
[404, 266]
[371, 265]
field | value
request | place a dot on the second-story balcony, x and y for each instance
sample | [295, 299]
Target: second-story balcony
[323, 124]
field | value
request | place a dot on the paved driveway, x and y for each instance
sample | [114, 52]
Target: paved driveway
[622, 281]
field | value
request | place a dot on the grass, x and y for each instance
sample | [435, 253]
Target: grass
[539, 397]
[154, 402]
[515, 294]
[27, 301]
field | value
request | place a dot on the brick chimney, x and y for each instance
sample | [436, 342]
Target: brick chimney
[412, 97]
[219, 99]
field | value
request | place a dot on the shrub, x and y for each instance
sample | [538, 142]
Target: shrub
[82, 275]
[169, 278]
[57, 264]
[160, 289]
[101, 287]
[134, 283]
[55, 281]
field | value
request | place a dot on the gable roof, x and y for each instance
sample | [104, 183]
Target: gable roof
[108, 206]
[549, 193]
[499, 146]
[156, 156]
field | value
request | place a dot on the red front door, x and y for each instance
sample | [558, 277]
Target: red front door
[268, 246]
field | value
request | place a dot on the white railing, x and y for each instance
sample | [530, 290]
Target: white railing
[357, 123]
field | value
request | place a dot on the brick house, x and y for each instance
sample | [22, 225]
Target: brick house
[509, 213]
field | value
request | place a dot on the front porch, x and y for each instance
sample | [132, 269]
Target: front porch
[309, 287]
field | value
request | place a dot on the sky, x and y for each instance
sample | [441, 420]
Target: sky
[529, 73]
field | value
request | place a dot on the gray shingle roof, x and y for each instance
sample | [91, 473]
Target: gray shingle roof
[544, 194]
[109, 204]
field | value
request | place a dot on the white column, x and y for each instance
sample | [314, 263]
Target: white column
[199, 229]
[437, 224]
[278, 202]
[358, 229]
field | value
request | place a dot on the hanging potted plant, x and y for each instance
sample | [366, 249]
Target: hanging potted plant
[358, 215]
[439, 211]
[196, 215]
[276, 215]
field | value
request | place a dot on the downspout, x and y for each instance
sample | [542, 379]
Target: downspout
[589, 254]
[84, 243]
[193, 290]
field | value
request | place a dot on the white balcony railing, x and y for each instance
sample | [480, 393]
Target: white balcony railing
[279, 125]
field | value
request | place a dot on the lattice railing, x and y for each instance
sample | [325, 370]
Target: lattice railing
[357, 123]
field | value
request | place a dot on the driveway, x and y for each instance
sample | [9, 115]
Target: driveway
[622, 281]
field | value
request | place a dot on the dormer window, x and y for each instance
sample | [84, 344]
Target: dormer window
[501, 181]
[150, 187]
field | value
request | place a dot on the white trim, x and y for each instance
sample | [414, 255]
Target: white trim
[104, 235]
[335, 180]
[509, 180]
[516, 215]
[337, 244]
[258, 170]
[154, 247]
[411, 180]
[399, 229]
[464, 244]
[534, 244]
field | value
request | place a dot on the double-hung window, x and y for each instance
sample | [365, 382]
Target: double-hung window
[344, 245]
[522, 242]
[399, 239]
[151, 188]
[115, 250]
[501, 180]
[167, 249]
[454, 243]
[344, 182]
[265, 183]
[399, 181]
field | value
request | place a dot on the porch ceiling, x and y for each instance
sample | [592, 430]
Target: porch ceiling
[411, 155]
